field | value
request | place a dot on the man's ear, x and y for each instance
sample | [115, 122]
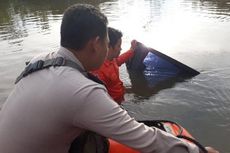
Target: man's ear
[110, 47]
[96, 44]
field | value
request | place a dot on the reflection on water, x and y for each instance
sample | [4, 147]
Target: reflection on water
[156, 23]
[19, 18]
[195, 32]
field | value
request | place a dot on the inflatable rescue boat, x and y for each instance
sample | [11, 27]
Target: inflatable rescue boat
[168, 126]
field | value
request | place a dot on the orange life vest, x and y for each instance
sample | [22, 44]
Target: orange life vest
[109, 74]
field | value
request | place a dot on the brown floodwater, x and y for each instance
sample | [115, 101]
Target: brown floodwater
[194, 32]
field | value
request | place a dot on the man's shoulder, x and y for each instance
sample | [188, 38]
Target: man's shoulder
[44, 56]
[75, 77]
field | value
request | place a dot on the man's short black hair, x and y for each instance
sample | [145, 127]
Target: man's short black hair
[114, 36]
[80, 23]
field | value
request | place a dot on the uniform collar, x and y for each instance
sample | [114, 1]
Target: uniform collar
[64, 52]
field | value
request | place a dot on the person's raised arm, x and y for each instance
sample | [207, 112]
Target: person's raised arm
[127, 55]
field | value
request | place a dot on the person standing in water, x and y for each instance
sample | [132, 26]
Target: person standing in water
[109, 70]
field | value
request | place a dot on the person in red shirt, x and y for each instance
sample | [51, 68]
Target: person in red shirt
[109, 71]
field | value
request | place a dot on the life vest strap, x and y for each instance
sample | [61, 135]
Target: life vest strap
[40, 65]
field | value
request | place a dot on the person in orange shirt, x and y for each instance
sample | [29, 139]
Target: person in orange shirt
[109, 71]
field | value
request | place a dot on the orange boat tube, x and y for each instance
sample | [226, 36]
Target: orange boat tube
[168, 126]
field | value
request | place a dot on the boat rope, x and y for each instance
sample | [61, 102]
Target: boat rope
[202, 148]
[159, 124]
